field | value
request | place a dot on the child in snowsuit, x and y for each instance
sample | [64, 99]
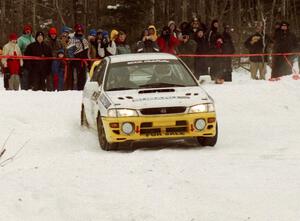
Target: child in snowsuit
[58, 71]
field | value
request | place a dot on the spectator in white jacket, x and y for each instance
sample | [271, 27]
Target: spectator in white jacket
[12, 67]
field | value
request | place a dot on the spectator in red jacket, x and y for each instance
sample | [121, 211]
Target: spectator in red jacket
[167, 42]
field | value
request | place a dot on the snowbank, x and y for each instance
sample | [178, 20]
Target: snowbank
[62, 174]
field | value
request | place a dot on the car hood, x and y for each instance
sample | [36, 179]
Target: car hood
[161, 97]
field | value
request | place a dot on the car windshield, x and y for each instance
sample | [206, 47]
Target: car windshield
[147, 74]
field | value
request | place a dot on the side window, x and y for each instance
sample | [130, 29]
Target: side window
[99, 72]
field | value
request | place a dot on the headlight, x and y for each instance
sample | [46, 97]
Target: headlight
[202, 108]
[122, 113]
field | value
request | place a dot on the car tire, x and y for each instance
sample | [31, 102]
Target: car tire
[209, 141]
[83, 119]
[104, 144]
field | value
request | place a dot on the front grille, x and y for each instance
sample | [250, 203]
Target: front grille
[150, 131]
[163, 110]
[176, 129]
[181, 123]
[146, 124]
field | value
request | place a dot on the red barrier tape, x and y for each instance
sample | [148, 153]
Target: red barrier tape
[234, 55]
[47, 58]
[179, 55]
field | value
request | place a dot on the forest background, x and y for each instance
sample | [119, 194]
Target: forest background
[135, 15]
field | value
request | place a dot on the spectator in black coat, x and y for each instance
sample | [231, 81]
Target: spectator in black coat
[196, 24]
[228, 48]
[201, 67]
[212, 37]
[258, 43]
[39, 69]
[285, 42]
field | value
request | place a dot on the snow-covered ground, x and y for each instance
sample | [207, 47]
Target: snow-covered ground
[253, 173]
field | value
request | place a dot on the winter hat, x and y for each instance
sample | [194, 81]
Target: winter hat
[93, 32]
[213, 22]
[285, 23]
[78, 28]
[165, 29]
[27, 28]
[183, 25]
[200, 29]
[171, 22]
[60, 51]
[99, 31]
[105, 34]
[39, 33]
[195, 19]
[13, 36]
[66, 29]
[154, 37]
[114, 34]
[52, 31]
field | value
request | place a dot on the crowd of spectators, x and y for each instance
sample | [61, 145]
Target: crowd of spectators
[187, 38]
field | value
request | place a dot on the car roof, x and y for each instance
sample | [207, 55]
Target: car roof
[141, 57]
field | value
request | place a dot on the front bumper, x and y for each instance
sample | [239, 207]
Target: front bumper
[159, 127]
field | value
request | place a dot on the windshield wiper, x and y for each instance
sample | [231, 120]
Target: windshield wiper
[120, 89]
[154, 85]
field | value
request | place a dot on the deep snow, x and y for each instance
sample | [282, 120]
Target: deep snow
[253, 173]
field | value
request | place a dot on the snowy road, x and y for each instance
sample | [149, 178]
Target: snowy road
[252, 174]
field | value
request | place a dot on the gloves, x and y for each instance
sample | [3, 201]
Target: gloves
[255, 39]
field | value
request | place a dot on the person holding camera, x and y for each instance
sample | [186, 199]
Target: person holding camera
[167, 43]
[201, 63]
[188, 46]
[147, 43]
[107, 47]
[258, 43]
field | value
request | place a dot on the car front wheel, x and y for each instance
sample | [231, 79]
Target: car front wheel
[105, 145]
[209, 141]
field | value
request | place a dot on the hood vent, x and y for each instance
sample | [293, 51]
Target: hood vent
[166, 90]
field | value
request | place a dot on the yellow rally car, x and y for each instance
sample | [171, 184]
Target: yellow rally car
[147, 96]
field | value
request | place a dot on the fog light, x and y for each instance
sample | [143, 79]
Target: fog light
[211, 120]
[127, 128]
[114, 125]
[200, 124]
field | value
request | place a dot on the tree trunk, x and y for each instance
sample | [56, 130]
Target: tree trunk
[34, 15]
[152, 20]
[3, 16]
[59, 12]
[184, 10]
